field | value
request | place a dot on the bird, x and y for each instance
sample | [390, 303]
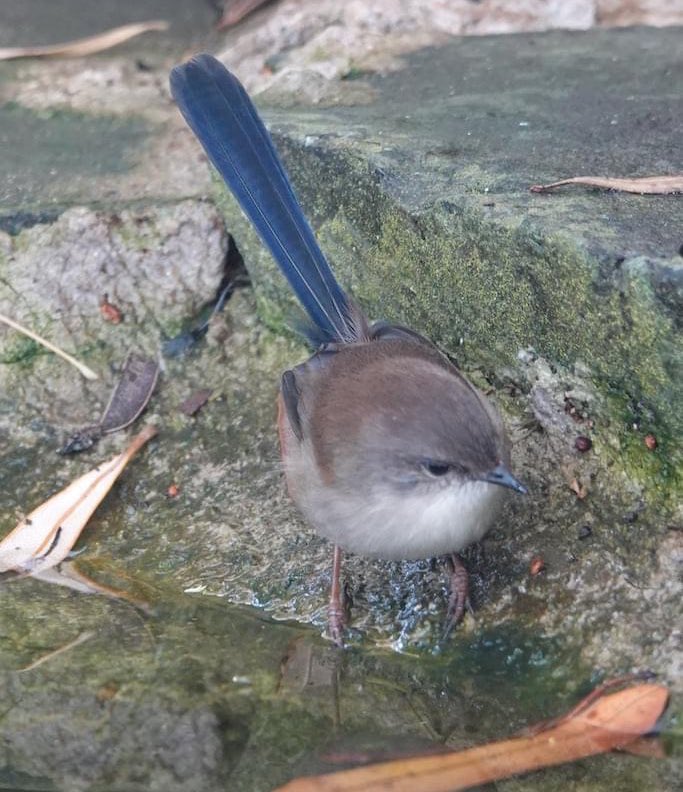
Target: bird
[388, 450]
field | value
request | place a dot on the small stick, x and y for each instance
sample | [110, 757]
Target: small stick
[82, 638]
[85, 371]
[84, 46]
[335, 611]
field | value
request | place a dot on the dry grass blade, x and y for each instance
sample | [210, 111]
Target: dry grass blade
[608, 722]
[82, 638]
[44, 538]
[647, 185]
[84, 46]
[85, 371]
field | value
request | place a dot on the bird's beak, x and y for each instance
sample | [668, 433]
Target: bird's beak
[502, 476]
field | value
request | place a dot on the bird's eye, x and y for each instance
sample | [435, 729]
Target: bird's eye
[436, 468]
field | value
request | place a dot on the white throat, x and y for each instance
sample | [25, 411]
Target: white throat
[400, 525]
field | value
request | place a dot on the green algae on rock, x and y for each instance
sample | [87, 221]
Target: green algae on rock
[426, 216]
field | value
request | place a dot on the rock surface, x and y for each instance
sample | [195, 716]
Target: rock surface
[563, 306]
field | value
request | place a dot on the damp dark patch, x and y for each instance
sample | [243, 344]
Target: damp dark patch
[16, 222]
[235, 276]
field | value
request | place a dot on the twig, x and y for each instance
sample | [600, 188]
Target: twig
[85, 371]
[82, 638]
[85, 46]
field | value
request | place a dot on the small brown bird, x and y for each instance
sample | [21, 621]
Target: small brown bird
[388, 450]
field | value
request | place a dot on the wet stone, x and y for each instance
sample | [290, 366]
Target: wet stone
[561, 306]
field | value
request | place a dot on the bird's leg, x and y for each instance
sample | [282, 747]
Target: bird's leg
[335, 612]
[459, 597]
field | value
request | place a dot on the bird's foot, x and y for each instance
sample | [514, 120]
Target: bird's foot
[336, 615]
[459, 599]
[336, 624]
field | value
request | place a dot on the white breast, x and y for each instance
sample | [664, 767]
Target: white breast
[396, 525]
[386, 522]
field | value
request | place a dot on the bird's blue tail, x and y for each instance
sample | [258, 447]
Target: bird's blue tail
[222, 116]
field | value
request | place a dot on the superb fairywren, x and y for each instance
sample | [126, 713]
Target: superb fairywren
[388, 450]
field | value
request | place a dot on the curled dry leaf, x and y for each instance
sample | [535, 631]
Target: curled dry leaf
[604, 723]
[109, 311]
[647, 185]
[132, 393]
[578, 489]
[129, 398]
[194, 403]
[651, 442]
[84, 46]
[649, 747]
[536, 566]
[44, 538]
[68, 575]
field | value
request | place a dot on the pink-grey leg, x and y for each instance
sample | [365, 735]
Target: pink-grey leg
[335, 611]
[459, 597]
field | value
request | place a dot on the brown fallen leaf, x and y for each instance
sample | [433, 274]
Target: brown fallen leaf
[649, 747]
[44, 538]
[611, 722]
[647, 185]
[129, 398]
[650, 442]
[132, 393]
[84, 46]
[194, 403]
[536, 566]
[578, 489]
[107, 692]
[109, 311]
[68, 575]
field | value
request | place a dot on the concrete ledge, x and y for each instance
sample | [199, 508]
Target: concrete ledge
[421, 201]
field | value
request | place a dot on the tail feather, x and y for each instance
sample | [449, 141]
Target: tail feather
[222, 116]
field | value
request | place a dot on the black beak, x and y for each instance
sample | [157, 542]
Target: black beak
[502, 476]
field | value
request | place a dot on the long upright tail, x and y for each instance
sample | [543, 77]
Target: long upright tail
[222, 116]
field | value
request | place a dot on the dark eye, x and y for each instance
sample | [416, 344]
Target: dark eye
[436, 468]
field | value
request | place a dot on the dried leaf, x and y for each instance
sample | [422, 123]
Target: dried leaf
[611, 722]
[84, 46]
[110, 312]
[61, 576]
[647, 185]
[536, 566]
[649, 747]
[578, 489]
[194, 403]
[131, 395]
[66, 574]
[85, 371]
[44, 538]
